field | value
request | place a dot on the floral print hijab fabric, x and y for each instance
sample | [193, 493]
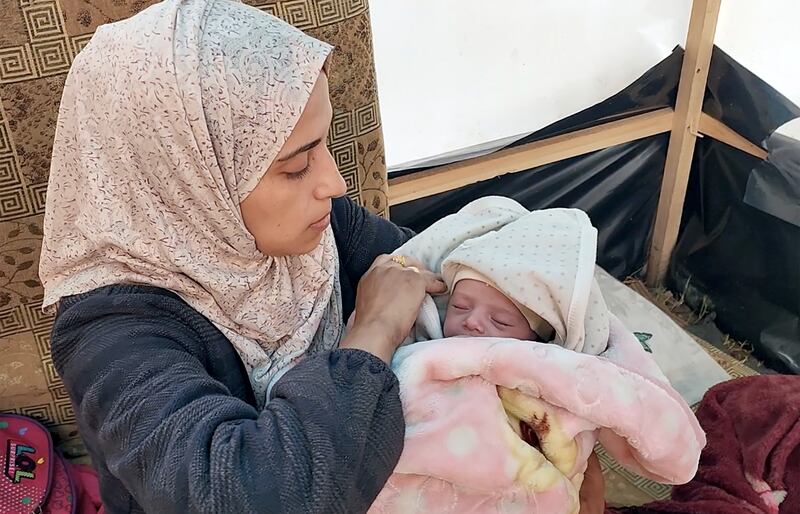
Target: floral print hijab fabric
[168, 120]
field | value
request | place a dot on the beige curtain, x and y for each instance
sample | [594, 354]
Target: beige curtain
[38, 41]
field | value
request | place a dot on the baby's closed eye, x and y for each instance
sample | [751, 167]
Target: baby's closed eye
[503, 323]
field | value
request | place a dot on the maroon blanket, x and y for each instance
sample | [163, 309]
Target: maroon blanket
[751, 464]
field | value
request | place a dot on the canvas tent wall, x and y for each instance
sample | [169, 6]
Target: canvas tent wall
[739, 240]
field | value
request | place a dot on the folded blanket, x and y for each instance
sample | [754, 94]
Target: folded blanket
[752, 462]
[502, 425]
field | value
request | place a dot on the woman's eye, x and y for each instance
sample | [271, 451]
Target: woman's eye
[297, 175]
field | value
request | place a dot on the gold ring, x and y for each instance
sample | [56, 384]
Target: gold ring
[399, 259]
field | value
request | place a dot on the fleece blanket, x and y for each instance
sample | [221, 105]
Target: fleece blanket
[752, 462]
[502, 425]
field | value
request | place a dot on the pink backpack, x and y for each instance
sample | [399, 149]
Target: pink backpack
[37, 479]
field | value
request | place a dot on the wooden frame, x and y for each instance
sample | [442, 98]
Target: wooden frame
[721, 132]
[685, 124]
[524, 157]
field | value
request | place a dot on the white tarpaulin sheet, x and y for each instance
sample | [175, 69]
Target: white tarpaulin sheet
[456, 77]
[764, 38]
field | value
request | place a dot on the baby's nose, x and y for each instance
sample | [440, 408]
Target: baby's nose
[473, 323]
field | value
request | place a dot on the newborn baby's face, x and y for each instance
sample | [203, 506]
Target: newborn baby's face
[479, 310]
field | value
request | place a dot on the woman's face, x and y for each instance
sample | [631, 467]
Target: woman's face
[289, 210]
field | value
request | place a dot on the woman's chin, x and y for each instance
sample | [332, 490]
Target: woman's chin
[310, 244]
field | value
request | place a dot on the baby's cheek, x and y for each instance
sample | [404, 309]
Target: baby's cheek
[452, 327]
[497, 333]
[447, 328]
[524, 333]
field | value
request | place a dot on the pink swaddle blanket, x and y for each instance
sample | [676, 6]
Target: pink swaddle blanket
[502, 425]
[463, 454]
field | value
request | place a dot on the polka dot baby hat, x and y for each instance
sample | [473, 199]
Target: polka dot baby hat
[545, 261]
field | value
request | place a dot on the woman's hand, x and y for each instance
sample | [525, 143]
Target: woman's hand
[592, 493]
[388, 300]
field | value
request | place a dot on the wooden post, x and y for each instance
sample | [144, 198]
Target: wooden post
[691, 89]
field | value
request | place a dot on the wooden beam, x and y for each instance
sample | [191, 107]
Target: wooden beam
[714, 128]
[691, 89]
[524, 157]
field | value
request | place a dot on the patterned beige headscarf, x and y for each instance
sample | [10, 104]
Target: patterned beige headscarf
[168, 120]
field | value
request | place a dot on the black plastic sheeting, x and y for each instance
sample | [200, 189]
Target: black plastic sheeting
[618, 187]
[774, 185]
[738, 245]
[745, 260]
[743, 101]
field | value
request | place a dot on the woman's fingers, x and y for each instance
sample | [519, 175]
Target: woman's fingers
[411, 261]
[433, 284]
[388, 300]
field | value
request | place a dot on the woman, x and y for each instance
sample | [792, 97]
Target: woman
[201, 259]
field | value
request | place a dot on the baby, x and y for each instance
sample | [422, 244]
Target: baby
[513, 273]
[477, 309]
[507, 423]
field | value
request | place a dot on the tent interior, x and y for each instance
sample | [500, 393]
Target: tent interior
[573, 104]
[674, 125]
[688, 162]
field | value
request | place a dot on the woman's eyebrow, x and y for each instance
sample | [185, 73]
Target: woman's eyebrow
[304, 148]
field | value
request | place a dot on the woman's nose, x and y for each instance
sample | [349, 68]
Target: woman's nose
[331, 184]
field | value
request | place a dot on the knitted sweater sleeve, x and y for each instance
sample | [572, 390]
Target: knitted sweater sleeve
[162, 403]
